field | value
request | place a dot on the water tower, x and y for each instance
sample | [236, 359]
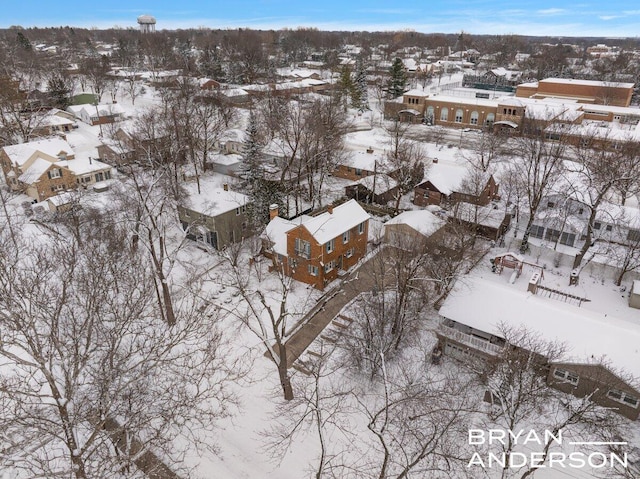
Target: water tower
[147, 23]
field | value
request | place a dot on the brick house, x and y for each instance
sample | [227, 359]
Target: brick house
[445, 184]
[316, 249]
[414, 230]
[601, 351]
[42, 169]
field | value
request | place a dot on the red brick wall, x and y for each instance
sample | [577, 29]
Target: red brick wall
[298, 266]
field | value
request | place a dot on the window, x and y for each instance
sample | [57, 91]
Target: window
[597, 225]
[313, 270]
[349, 253]
[552, 235]
[107, 175]
[623, 397]
[608, 228]
[55, 173]
[459, 114]
[489, 121]
[633, 235]
[303, 248]
[238, 211]
[345, 237]
[328, 267]
[566, 376]
[99, 176]
[536, 231]
[551, 204]
[330, 245]
[568, 239]
[358, 172]
[580, 211]
[57, 188]
[293, 263]
[444, 114]
[474, 118]
[361, 228]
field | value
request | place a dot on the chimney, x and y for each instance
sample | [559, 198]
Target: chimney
[273, 211]
[330, 209]
[369, 150]
[434, 161]
[225, 187]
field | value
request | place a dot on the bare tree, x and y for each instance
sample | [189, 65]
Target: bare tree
[265, 310]
[538, 167]
[518, 395]
[601, 165]
[92, 380]
[406, 160]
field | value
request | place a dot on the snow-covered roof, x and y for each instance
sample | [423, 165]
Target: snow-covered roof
[62, 198]
[575, 81]
[366, 161]
[422, 221]
[35, 171]
[484, 303]
[212, 200]
[381, 182]
[276, 232]
[18, 154]
[328, 226]
[446, 178]
[82, 166]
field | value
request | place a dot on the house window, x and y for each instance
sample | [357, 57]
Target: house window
[459, 114]
[238, 211]
[608, 228]
[328, 267]
[580, 211]
[536, 231]
[552, 235]
[566, 376]
[474, 118]
[313, 270]
[107, 175]
[330, 245]
[345, 237]
[57, 188]
[293, 263]
[55, 173]
[551, 204]
[358, 172]
[444, 114]
[568, 239]
[349, 253]
[99, 176]
[633, 235]
[623, 397]
[303, 248]
[361, 228]
[597, 225]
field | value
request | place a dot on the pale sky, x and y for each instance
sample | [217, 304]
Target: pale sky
[613, 18]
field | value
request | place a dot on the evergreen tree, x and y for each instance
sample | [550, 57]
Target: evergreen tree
[24, 42]
[262, 192]
[59, 91]
[398, 80]
[345, 85]
[360, 97]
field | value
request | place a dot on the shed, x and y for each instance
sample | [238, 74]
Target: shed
[634, 295]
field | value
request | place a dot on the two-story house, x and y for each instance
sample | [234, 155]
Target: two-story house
[600, 356]
[316, 249]
[212, 214]
[42, 169]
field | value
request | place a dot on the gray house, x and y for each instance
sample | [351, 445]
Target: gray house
[215, 216]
